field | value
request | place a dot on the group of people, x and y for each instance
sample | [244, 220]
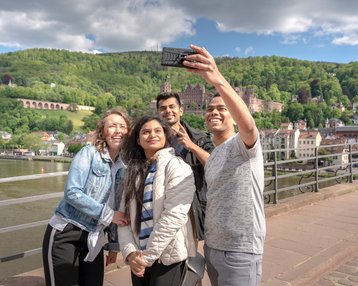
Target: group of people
[151, 185]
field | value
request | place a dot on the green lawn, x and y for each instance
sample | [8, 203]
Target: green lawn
[76, 117]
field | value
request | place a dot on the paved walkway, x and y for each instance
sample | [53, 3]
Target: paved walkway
[312, 239]
[306, 243]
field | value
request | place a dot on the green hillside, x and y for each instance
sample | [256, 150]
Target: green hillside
[308, 90]
[76, 117]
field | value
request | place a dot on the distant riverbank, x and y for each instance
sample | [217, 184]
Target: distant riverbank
[38, 158]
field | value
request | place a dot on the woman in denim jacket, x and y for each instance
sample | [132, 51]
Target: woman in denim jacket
[73, 241]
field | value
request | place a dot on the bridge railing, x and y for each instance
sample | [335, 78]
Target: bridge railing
[331, 164]
[10, 202]
[323, 166]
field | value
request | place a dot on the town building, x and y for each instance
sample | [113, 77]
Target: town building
[350, 132]
[291, 142]
[57, 148]
[338, 147]
[308, 140]
[84, 139]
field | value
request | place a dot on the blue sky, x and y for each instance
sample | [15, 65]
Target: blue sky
[318, 30]
[245, 45]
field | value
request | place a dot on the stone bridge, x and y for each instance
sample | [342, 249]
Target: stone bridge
[39, 104]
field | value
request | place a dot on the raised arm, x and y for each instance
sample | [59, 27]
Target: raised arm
[204, 65]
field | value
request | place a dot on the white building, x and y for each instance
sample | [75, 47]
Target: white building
[307, 143]
[284, 139]
[292, 142]
[57, 148]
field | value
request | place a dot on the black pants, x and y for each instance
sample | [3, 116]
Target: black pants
[63, 253]
[160, 275]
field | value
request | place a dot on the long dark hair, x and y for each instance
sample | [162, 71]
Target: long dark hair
[137, 164]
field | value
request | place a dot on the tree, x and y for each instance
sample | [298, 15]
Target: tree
[294, 111]
[195, 121]
[16, 141]
[345, 101]
[74, 148]
[274, 93]
[2, 144]
[61, 137]
[90, 122]
[104, 102]
[32, 142]
[303, 94]
[331, 88]
[69, 127]
[316, 90]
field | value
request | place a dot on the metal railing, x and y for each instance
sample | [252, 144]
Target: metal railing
[26, 200]
[309, 173]
[332, 164]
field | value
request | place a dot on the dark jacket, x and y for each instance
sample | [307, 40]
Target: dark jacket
[203, 140]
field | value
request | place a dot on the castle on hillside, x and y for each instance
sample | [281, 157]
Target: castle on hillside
[257, 105]
[195, 99]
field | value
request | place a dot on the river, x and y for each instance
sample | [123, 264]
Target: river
[24, 240]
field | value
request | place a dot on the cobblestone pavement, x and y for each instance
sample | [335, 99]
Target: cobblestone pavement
[346, 274]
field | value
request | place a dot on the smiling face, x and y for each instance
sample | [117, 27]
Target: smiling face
[151, 138]
[218, 119]
[170, 110]
[114, 131]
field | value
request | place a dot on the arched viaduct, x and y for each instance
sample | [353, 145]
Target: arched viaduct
[39, 104]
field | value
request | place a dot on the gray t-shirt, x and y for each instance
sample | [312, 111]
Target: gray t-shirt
[235, 218]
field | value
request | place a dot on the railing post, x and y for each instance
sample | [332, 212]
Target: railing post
[350, 164]
[275, 198]
[316, 166]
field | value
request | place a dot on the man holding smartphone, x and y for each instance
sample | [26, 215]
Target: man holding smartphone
[235, 220]
[193, 146]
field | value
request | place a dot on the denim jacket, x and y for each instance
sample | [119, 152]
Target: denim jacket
[88, 188]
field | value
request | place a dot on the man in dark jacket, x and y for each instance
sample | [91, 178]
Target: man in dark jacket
[194, 146]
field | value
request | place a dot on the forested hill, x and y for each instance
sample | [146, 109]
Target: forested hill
[133, 79]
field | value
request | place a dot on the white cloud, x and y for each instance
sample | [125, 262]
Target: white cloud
[238, 49]
[291, 39]
[116, 25]
[331, 17]
[124, 25]
[10, 44]
[346, 40]
[249, 51]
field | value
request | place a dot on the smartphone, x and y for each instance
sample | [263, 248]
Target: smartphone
[174, 57]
